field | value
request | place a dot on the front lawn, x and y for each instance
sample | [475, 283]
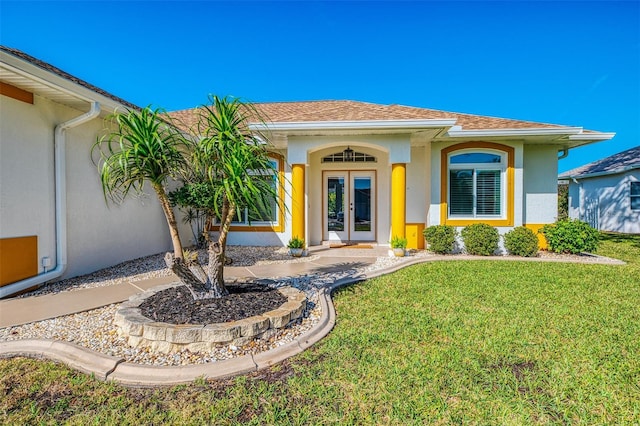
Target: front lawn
[478, 342]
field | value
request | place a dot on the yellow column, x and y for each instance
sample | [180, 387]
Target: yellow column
[398, 199]
[297, 200]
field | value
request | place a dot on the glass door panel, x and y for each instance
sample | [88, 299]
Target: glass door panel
[335, 203]
[362, 206]
[336, 199]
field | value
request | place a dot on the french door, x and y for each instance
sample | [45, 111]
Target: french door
[349, 206]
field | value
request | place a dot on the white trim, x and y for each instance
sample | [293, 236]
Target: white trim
[354, 125]
[458, 132]
[600, 136]
[501, 167]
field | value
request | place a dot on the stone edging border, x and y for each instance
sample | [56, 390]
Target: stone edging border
[105, 367]
[167, 338]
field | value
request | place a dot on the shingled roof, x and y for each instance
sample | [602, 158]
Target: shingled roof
[55, 70]
[346, 110]
[617, 163]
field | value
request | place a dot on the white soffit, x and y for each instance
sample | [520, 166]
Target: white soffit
[26, 76]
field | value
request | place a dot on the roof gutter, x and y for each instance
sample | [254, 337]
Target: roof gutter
[353, 125]
[457, 131]
[593, 136]
[59, 139]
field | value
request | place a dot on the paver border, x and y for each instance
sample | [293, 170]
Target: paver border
[109, 368]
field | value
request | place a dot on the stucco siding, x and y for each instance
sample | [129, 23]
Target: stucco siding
[97, 236]
[540, 183]
[417, 172]
[26, 172]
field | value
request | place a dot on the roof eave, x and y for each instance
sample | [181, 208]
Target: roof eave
[459, 132]
[593, 137]
[48, 78]
[569, 137]
[598, 174]
[353, 125]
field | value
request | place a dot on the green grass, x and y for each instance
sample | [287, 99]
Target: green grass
[453, 342]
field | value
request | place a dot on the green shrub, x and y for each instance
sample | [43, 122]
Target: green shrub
[398, 242]
[571, 236]
[296, 243]
[563, 202]
[521, 241]
[480, 239]
[441, 238]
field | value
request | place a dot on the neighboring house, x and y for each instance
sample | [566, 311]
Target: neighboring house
[606, 193]
[347, 171]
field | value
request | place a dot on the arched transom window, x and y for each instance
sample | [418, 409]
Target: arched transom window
[349, 156]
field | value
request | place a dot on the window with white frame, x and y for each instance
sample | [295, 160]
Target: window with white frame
[264, 215]
[634, 195]
[476, 184]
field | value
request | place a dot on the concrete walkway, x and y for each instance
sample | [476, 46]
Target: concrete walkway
[18, 311]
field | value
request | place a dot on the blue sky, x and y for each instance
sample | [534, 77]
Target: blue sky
[572, 63]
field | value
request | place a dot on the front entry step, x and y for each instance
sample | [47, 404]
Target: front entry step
[350, 244]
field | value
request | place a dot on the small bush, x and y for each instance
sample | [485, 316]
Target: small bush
[398, 242]
[480, 239]
[296, 243]
[441, 238]
[571, 236]
[521, 241]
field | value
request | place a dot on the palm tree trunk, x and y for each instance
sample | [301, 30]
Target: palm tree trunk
[171, 220]
[217, 252]
[189, 274]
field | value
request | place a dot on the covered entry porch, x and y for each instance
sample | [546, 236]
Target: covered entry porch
[349, 190]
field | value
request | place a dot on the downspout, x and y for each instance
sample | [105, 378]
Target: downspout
[59, 140]
[565, 153]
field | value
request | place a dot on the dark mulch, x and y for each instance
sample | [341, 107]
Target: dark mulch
[176, 306]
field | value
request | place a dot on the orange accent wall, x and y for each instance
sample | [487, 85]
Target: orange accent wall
[535, 227]
[444, 166]
[16, 93]
[18, 259]
[414, 235]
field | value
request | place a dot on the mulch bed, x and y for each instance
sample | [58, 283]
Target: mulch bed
[176, 306]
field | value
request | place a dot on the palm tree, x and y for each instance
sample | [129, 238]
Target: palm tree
[143, 148]
[235, 163]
